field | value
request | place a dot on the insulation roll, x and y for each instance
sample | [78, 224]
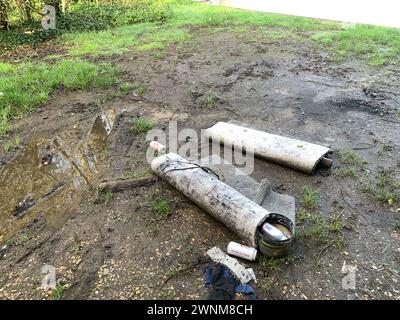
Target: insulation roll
[299, 155]
[236, 211]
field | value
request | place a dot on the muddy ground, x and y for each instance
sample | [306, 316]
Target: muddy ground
[113, 246]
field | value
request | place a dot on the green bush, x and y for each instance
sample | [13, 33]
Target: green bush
[84, 17]
[94, 18]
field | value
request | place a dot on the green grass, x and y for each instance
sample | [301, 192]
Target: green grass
[150, 36]
[30, 85]
[268, 263]
[302, 216]
[6, 67]
[138, 37]
[312, 226]
[319, 229]
[125, 87]
[310, 198]
[57, 293]
[174, 271]
[210, 101]
[162, 208]
[345, 172]
[141, 125]
[385, 187]
[351, 158]
[21, 240]
[189, 13]
[26, 86]
[378, 45]
[140, 90]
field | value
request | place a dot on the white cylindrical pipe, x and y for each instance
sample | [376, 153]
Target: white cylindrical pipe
[241, 251]
[224, 203]
[300, 155]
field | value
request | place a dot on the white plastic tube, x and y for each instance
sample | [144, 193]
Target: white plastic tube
[224, 203]
[241, 251]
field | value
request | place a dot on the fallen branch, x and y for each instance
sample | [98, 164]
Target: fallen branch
[341, 213]
[323, 249]
[366, 146]
[121, 185]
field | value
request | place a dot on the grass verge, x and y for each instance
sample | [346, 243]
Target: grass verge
[26, 86]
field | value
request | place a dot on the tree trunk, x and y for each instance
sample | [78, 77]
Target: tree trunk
[3, 15]
[57, 5]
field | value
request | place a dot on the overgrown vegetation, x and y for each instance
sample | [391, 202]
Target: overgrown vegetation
[25, 27]
[27, 85]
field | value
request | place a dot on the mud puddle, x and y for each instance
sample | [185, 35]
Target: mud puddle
[50, 175]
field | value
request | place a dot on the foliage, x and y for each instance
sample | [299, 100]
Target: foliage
[82, 16]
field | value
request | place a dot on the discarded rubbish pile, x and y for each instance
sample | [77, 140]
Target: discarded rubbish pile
[264, 219]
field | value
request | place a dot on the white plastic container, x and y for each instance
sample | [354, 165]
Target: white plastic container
[241, 251]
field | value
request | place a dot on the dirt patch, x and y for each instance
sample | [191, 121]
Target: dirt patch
[115, 245]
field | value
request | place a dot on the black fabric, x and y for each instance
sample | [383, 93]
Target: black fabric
[220, 282]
